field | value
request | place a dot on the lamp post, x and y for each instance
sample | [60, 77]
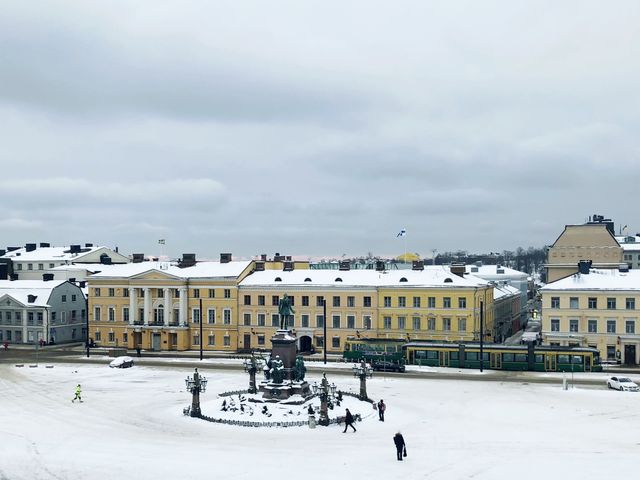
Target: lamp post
[196, 385]
[363, 371]
[326, 393]
[251, 366]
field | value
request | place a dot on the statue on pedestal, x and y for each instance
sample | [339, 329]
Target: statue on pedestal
[277, 370]
[299, 369]
[285, 310]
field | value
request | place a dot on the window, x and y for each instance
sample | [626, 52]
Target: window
[260, 339]
[611, 326]
[462, 324]
[275, 320]
[351, 321]
[431, 302]
[246, 318]
[98, 336]
[97, 314]
[555, 302]
[319, 301]
[125, 314]
[41, 266]
[212, 294]
[176, 293]
[574, 303]
[320, 342]
[19, 266]
[402, 302]
[275, 300]
[335, 342]
[196, 340]
[446, 302]
[367, 301]
[573, 325]
[40, 317]
[261, 300]
[262, 318]
[305, 300]
[593, 303]
[196, 293]
[555, 324]
[227, 293]
[416, 323]
[211, 340]
[247, 299]
[112, 292]
[611, 303]
[112, 314]
[30, 266]
[226, 316]
[402, 323]
[462, 302]
[112, 337]
[387, 323]
[431, 324]
[64, 298]
[336, 301]
[416, 302]
[74, 297]
[319, 321]
[195, 315]
[366, 322]
[630, 303]
[304, 318]
[446, 324]
[387, 301]
[630, 326]
[29, 318]
[611, 352]
[351, 302]
[593, 326]
[211, 315]
[227, 340]
[125, 338]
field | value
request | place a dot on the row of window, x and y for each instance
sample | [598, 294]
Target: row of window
[30, 266]
[592, 326]
[431, 302]
[337, 301]
[159, 315]
[592, 303]
[36, 318]
[159, 292]
[401, 324]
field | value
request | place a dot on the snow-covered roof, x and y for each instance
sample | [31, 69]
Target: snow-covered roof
[199, 270]
[629, 242]
[21, 289]
[598, 279]
[52, 254]
[432, 276]
[501, 291]
[493, 271]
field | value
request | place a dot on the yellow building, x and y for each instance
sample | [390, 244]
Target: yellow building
[596, 308]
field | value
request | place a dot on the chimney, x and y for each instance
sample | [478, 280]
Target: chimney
[82, 284]
[45, 245]
[11, 249]
[13, 277]
[623, 268]
[47, 277]
[30, 247]
[137, 258]
[259, 266]
[288, 266]
[344, 265]
[278, 258]
[88, 245]
[225, 257]
[457, 269]
[72, 280]
[380, 266]
[584, 266]
[418, 265]
[31, 298]
[74, 249]
[2, 252]
[188, 260]
[263, 257]
[105, 259]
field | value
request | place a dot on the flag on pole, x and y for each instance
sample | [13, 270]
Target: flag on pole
[161, 241]
[402, 233]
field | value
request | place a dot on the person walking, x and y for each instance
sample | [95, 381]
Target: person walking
[348, 421]
[401, 447]
[381, 408]
[78, 393]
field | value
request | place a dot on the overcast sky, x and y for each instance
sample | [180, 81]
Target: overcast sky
[316, 128]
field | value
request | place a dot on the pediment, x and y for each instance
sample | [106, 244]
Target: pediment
[155, 275]
[7, 301]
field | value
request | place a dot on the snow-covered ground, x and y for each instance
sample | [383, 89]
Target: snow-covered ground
[131, 426]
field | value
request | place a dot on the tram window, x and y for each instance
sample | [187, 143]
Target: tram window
[507, 357]
[577, 359]
[472, 356]
[432, 354]
[485, 356]
[421, 354]
[539, 358]
[563, 358]
[454, 356]
[521, 357]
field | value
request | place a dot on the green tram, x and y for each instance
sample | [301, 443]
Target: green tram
[503, 357]
[372, 349]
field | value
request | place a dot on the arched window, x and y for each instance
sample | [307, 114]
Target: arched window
[307, 279]
[278, 279]
[448, 280]
[338, 279]
[403, 279]
[158, 314]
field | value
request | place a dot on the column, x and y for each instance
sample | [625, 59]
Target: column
[147, 305]
[184, 305]
[168, 306]
[133, 305]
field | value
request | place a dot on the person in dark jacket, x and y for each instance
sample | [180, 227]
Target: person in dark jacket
[381, 408]
[401, 448]
[348, 421]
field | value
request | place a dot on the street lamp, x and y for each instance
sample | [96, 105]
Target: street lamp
[363, 371]
[196, 385]
[251, 366]
[326, 393]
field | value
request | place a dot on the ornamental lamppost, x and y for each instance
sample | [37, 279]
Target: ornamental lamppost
[251, 366]
[326, 393]
[363, 371]
[196, 385]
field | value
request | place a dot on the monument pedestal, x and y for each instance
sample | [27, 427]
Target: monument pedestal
[284, 346]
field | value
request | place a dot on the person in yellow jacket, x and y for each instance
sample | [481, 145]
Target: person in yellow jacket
[78, 392]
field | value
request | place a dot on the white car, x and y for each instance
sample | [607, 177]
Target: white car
[121, 362]
[623, 384]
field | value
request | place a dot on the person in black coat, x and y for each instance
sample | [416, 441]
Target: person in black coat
[348, 421]
[381, 409]
[401, 448]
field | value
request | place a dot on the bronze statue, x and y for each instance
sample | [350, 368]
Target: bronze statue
[299, 369]
[285, 310]
[277, 370]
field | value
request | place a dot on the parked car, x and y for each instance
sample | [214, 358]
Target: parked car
[623, 384]
[121, 362]
[385, 366]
